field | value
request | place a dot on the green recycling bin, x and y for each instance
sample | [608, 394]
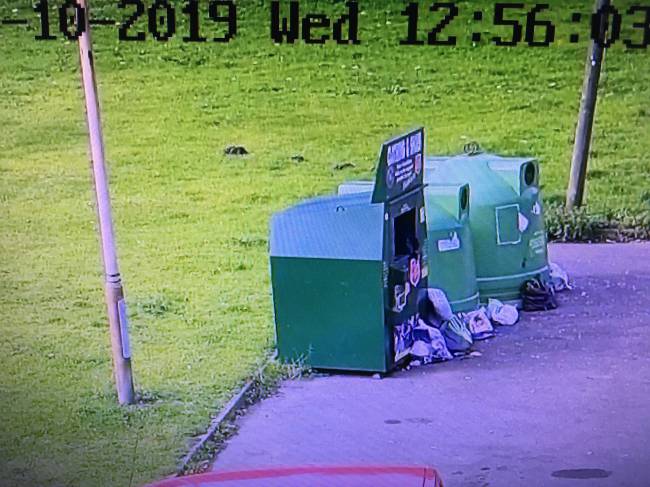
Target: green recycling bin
[450, 250]
[346, 271]
[506, 218]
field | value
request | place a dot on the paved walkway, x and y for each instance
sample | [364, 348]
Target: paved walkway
[562, 398]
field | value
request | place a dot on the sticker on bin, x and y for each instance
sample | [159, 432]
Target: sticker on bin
[390, 177]
[537, 244]
[522, 223]
[403, 338]
[418, 164]
[449, 244]
[401, 294]
[414, 271]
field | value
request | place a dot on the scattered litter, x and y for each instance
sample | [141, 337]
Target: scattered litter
[440, 335]
[457, 336]
[429, 344]
[421, 349]
[502, 314]
[298, 158]
[559, 278]
[479, 324]
[235, 150]
[376, 376]
[538, 296]
[436, 308]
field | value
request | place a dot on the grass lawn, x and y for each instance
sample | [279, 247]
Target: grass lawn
[192, 223]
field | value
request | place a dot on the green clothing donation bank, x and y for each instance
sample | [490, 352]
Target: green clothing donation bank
[347, 270]
[450, 251]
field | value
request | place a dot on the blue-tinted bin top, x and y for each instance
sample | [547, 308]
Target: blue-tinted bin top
[347, 227]
[458, 165]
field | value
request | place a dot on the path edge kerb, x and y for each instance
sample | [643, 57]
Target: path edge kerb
[227, 413]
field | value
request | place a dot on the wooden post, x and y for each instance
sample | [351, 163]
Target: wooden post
[576, 189]
[115, 304]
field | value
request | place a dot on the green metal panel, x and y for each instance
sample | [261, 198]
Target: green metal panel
[329, 312]
[326, 274]
[450, 247]
[506, 218]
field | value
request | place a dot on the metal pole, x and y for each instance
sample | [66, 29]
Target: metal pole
[576, 189]
[114, 293]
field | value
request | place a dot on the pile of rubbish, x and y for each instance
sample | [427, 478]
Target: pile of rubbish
[441, 335]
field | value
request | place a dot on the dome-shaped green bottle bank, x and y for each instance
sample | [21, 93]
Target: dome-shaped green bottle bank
[506, 218]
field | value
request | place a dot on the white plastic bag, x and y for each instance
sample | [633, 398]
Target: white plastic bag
[559, 278]
[440, 303]
[430, 344]
[457, 337]
[479, 324]
[502, 314]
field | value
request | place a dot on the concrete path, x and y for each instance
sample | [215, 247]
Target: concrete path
[562, 398]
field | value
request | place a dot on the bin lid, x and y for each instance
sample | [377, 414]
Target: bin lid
[345, 227]
[492, 178]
